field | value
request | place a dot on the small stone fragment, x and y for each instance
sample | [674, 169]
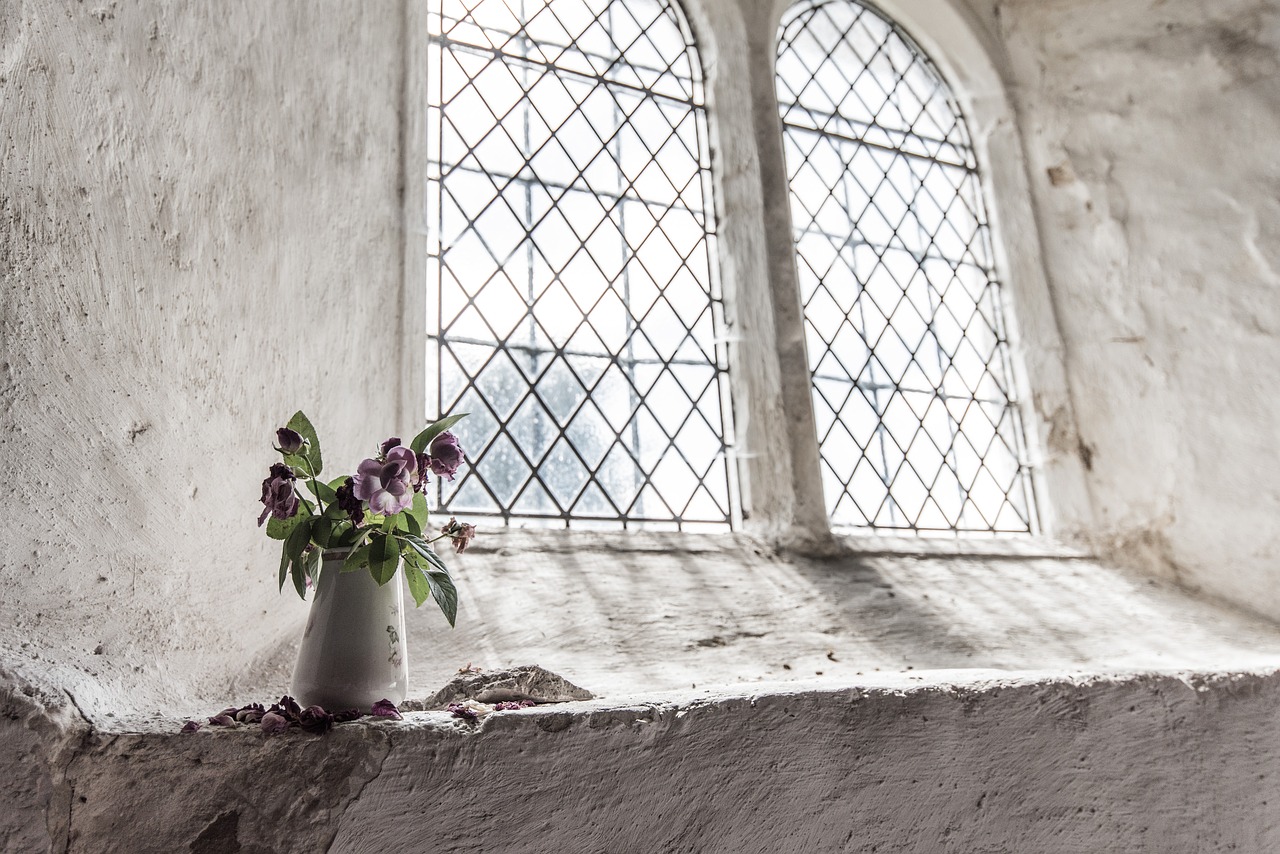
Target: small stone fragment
[528, 682]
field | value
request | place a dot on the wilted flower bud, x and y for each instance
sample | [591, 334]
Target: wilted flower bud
[459, 533]
[191, 726]
[348, 503]
[445, 454]
[393, 442]
[289, 441]
[278, 496]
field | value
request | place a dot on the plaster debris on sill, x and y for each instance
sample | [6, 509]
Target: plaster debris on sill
[510, 685]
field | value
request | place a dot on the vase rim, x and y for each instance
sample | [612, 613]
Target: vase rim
[335, 554]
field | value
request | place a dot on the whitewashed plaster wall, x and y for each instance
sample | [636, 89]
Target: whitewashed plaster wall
[1150, 131]
[199, 233]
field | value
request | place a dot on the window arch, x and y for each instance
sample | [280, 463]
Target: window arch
[908, 351]
[573, 303]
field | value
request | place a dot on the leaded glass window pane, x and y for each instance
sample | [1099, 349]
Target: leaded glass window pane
[573, 303]
[912, 380]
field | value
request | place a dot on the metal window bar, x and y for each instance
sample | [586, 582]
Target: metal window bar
[573, 300]
[919, 425]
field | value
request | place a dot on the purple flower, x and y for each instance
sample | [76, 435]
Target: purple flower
[289, 441]
[385, 447]
[190, 726]
[315, 720]
[347, 715]
[273, 723]
[387, 486]
[278, 496]
[349, 504]
[466, 713]
[222, 720]
[459, 533]
[445, 454]
[385, 709]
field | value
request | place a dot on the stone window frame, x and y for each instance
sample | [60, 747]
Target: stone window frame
[779, 475]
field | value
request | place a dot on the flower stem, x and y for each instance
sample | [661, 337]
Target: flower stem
[314, 488]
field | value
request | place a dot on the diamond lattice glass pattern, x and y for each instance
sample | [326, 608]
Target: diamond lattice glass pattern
[912, 380]
[573, 306]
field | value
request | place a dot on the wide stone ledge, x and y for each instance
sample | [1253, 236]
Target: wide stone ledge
[932, 761]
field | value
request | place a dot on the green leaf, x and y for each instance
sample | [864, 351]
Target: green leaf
[384, 555]
[298, 539]
[358, 559]
[418, 584]
[284, 566]
[299, 580]
[444, 592]
[322, 531]
[322, 491]
[418, 511]
[443, 589]
[420, 441]
[300, 424]
[279, 529]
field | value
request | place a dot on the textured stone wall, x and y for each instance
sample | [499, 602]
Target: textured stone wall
[1154, 764]
[199, 232]
[1150, 133]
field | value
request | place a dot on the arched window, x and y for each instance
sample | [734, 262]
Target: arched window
[573, 304]
[912, 377]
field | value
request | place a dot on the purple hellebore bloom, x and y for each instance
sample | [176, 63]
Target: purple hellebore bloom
[445, 454]
[273, 723]
[190, 726]
[278, 496]
[385, 709]
[387, 486]
[290, 441]
[385, 447]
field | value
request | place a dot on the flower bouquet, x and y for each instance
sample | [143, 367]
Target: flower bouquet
[378, 516]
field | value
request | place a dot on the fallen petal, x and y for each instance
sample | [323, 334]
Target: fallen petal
[385, 709]
[273, 723]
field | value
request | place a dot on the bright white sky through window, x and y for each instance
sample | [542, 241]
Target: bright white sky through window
[913, 383]
[573, 304]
